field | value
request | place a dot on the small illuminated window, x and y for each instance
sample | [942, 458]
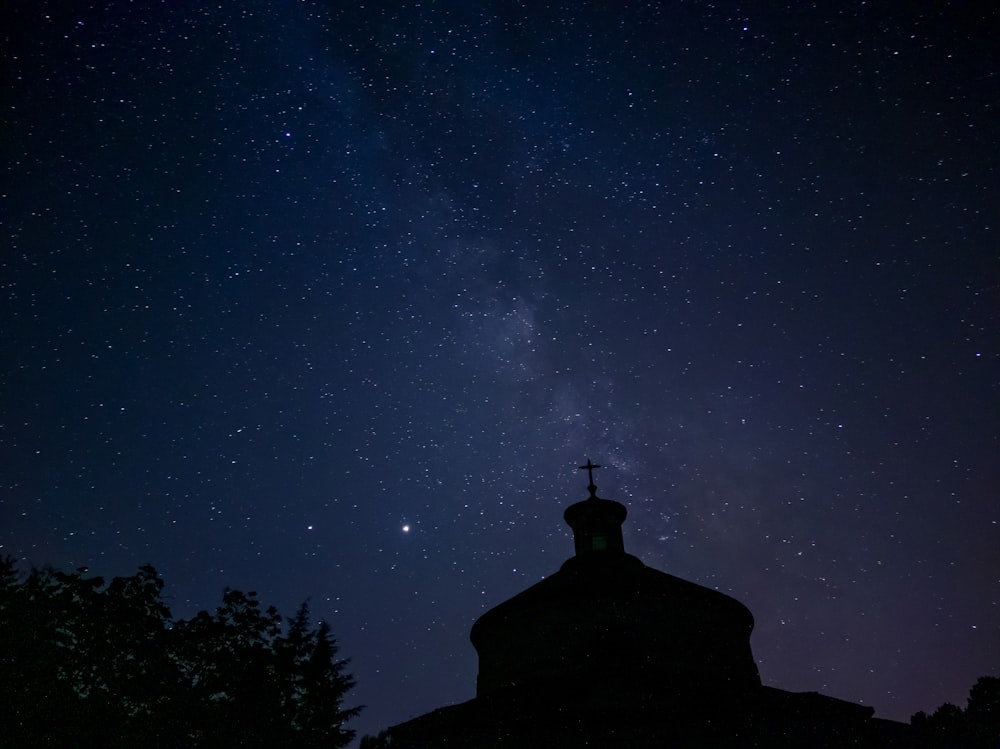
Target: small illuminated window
[598, 542]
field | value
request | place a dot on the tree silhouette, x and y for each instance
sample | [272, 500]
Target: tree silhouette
[86, 665]
[983, 712]
[976, 727]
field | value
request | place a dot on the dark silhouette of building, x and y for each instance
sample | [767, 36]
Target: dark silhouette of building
[609, 652]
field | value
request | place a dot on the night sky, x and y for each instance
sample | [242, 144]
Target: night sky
[328, 300]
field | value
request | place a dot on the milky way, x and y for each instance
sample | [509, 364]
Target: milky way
[329, 302]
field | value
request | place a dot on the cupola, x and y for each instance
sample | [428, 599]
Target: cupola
[596, 522]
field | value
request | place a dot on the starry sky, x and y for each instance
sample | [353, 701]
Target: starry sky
[329, 300]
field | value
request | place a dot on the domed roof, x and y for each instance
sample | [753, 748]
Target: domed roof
[605, 617]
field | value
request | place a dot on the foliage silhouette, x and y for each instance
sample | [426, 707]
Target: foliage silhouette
[976, 727]
[84, 665]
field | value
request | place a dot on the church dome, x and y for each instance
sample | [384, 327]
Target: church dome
[605, 618]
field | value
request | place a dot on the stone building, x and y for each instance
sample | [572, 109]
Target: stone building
[609, 652]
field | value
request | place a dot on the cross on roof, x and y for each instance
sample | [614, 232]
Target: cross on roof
[589, 468]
